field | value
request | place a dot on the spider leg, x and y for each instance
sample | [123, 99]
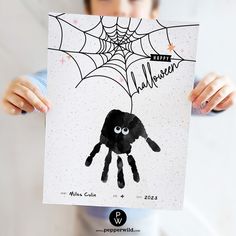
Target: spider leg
[106, 166]
[96, 150]
[153, 145]
[120, 175]
[133, 168]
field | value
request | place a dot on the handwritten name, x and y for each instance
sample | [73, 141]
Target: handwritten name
[86, 194]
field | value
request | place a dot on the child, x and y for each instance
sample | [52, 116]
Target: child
[215, 90]
[24, 94]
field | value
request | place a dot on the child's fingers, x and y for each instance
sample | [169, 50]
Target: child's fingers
[10, 108]
[209, 91]
[29, 96]
[20, 102]
[229, 101]
[217, 98]
[35, 90]
[201, 86]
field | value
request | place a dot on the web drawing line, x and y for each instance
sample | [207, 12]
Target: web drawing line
[143, 35]
[116, 41]
[131, 45]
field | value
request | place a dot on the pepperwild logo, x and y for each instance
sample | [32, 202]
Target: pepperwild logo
[118, 218]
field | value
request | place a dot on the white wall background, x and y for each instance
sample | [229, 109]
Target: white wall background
[210, 203]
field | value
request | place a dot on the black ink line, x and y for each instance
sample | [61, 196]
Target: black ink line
[120, 43]
[152, 81]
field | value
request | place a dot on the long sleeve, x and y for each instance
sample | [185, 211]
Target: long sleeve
[100, 215]
[40, 80]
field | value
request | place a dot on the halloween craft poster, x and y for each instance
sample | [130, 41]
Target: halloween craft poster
[117, 133]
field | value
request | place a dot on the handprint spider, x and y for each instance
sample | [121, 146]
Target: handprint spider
[119, 131]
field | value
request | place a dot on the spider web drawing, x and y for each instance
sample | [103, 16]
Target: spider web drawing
[118, 49]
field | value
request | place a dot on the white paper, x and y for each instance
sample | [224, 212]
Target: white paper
[100, 64]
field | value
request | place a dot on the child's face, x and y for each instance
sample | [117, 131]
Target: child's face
[126, 8]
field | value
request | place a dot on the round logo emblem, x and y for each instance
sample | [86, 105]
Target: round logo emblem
[117, 217]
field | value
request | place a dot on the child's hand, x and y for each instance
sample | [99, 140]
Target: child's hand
[216, 92]
[22, 95]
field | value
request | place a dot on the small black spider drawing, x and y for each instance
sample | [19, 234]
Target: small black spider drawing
[119, 131]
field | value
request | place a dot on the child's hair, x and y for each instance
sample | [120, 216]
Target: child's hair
[88, 2]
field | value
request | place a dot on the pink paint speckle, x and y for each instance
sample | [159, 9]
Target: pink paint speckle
[121, 79]
[75, 21]
[62, 61]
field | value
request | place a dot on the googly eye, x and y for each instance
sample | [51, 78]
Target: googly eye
[117, 129]
[125, 131]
